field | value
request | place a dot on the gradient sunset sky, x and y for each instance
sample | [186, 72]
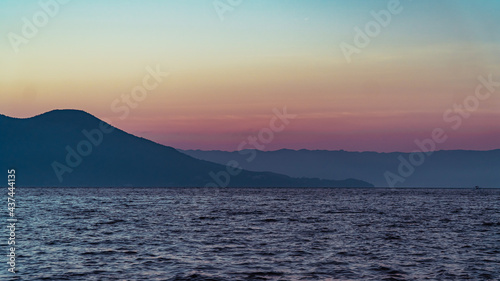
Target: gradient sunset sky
[227, 76]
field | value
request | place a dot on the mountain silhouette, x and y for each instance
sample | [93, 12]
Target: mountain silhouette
[71, 148]
[445, 168]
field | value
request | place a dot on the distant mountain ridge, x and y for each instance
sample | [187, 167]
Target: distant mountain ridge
[446, 168]
[71, 148]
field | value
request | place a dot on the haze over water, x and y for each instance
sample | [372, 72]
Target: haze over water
[269, 75]
[257, 234]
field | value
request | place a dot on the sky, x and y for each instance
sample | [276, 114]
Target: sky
[357, 75]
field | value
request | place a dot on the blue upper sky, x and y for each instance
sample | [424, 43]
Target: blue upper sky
[240, 63]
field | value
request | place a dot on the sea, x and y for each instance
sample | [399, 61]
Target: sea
[236, 234]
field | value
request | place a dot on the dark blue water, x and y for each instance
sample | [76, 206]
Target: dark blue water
[255, 234]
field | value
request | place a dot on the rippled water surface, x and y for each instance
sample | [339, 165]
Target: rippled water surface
[255, 234]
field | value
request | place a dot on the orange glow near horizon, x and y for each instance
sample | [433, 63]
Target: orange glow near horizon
[226, 78]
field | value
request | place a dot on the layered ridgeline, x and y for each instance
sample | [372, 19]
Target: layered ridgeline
[71, 148]
[452, 168]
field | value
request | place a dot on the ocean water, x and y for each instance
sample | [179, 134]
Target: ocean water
[254, 234]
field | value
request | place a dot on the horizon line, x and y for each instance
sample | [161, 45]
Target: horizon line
[232, 151]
